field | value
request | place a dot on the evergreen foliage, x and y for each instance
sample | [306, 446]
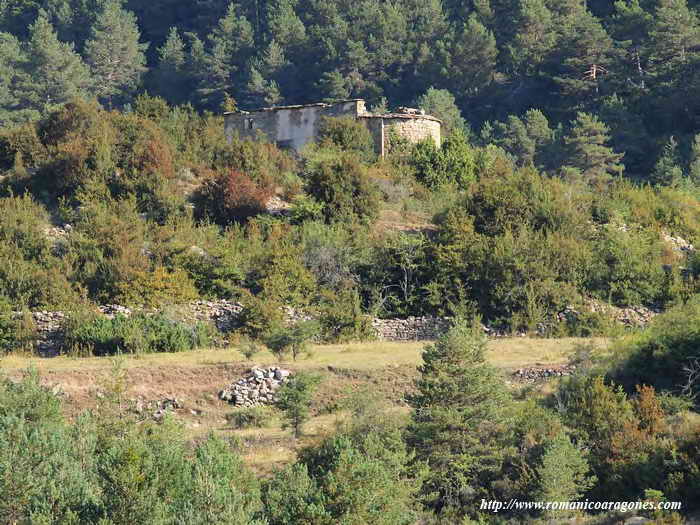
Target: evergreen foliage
[458, 413]
[294, 399]
[114, 54]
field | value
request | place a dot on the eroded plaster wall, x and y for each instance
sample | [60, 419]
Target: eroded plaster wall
[291, 127]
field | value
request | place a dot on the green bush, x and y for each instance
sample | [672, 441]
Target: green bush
[251, 417]
[103, 469]
[665, 354]
[348, 134]
[340, 182]
[452, 163]
[260, 317]
[294, 339]
[341, 318]
[136, 334]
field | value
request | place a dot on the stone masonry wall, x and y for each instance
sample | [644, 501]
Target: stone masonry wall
[414, 129]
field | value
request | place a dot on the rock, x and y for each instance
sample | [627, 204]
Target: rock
[541, 373]
[257, 388]
[280, 374]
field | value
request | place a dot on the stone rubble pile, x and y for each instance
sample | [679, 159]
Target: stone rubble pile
[113, 310]
[157, 410]
[534, 374]
[258, 388]
[224, 314]
[49, 330]
[633, 316]
[679, 244]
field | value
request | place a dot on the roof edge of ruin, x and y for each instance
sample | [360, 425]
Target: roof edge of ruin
[295, 106]
[405, 116]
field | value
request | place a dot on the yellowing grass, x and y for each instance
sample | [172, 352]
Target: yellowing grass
[506, 353]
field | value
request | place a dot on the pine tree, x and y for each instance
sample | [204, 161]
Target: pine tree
[170, 78]
[260, 92]
[587, 148]
[55, 73]
[334, 86]
[674, 36]
[441, 104]
[458, 409]
[230, 48]
[473, 58]
[534, 38]
[114, 53]
[285, 26]
[694, 171]
[630, 26]
[583, 58]
[667, 170]
[12, 61]
[563, 472]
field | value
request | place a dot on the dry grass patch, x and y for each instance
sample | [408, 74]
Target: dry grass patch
[385, 368]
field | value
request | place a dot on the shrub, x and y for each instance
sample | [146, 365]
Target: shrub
[135, 334]
[157, 287]
[249, 347]
[251, 417]
[23, 141]
[7, 326]
[452, 163]
[294, 399]
[341, 318]
[232, 197]
[294, 339]
[340, 182]
[260, 317]
[665, 355]
[347, 134]
[30, 275]
[305, 208]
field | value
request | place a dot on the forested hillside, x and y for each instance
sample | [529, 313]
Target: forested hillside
[561, 203]
[632, 64]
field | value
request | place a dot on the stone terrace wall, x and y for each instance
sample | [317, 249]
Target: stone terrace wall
[411, 329]
[225, 315]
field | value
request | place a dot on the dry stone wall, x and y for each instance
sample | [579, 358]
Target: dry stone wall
[225, 316]
[411, 328]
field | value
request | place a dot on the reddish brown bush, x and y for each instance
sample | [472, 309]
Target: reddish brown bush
[233, 197]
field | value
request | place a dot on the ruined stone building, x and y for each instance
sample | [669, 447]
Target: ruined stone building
[295, 126]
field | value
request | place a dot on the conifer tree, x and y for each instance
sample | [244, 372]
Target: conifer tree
[55, 73]
[12, 60]
[674, 36]
[694, 171]
[667, 170]
[458, 409]
[473, 58]
[285, 26]
[534, 37]
[584, 54]
[441, 104]
[115, 56]
[563, 472]
[230, 48]
[170, 77]
[588, 150]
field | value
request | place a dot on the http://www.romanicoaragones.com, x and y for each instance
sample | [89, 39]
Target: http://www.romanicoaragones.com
[585, 505]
